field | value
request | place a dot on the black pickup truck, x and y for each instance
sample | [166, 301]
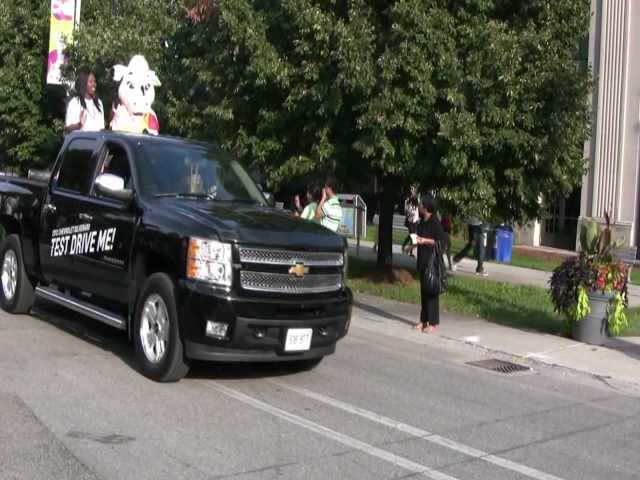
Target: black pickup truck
[171, 241]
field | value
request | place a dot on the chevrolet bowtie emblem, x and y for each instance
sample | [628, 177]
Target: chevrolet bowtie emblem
[299, 270]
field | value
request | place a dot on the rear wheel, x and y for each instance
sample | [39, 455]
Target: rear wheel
[16, 292]
[156, 335]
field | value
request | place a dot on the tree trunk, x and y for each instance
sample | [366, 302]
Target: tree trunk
[390, 188]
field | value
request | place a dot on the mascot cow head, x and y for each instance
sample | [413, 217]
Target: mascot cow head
[136, 93]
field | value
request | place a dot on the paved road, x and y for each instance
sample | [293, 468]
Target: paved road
[391, 403]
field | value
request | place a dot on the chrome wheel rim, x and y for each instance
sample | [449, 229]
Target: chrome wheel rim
[154, 328]
[9, 274]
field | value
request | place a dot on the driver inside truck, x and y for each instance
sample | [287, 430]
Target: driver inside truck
[117, 163]
[200, 176]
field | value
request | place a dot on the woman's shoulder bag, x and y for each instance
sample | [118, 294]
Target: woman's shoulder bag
[435, 279]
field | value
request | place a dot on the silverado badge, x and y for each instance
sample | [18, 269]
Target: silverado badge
[299, 270]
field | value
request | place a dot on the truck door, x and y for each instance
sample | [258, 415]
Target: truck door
[102, 259]
[70, 183]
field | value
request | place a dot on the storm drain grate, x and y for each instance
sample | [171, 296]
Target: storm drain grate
[499, 366]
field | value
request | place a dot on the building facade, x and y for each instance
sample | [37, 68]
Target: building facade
[613, 152]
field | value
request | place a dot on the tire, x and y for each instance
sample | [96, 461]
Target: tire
[16, 290]
[156, 335]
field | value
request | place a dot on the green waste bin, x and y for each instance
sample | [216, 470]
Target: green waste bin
[483, 242]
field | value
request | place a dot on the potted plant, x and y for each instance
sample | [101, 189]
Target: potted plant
[590, 289]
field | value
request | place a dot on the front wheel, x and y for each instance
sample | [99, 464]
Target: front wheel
[16, 291]
[156, 333]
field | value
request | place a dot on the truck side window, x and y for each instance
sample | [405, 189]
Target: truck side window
[78, 165]
[116, 162]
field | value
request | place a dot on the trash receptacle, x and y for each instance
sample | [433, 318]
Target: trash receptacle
[482, 247]
[490, 250]
[504, 245]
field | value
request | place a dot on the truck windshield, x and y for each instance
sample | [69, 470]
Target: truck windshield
[195, 171]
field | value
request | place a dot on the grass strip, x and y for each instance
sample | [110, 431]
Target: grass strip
[520, 306]
[518, 259]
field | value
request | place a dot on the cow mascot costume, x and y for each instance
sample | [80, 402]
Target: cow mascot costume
[136, 92]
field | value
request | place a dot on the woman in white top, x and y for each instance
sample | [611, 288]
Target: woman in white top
[411, 220]
[84, 111]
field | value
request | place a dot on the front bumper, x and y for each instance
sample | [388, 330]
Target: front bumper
[328, 315]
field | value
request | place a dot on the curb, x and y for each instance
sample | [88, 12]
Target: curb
[620, 385]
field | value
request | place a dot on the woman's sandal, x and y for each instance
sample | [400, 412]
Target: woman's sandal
[419, 326]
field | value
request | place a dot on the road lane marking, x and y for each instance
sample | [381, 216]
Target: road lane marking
[332, 434]
[420, 433]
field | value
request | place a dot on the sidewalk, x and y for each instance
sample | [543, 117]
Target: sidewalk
[497, 271]
[618, 360]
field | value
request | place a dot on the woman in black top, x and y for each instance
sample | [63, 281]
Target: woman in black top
[430, 231]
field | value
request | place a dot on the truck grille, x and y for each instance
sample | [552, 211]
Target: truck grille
[284, 283]
[265, 270]
[286, 257]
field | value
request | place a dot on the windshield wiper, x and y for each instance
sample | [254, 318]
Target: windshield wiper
[209, 196]
[236, 200]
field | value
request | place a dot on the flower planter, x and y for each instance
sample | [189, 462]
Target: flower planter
[578, 286]
[592, 329]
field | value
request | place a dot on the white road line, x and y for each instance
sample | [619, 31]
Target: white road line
[332, 434]
[422, 434]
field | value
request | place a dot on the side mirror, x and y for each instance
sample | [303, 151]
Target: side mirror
[112, 186]
[40, 175]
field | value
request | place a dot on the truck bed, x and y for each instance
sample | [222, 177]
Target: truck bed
[15, 185]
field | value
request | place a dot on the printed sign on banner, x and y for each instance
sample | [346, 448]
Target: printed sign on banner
[81, 240]
[65, 15]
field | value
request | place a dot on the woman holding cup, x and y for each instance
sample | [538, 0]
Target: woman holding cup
[430, 232]
[411, 219]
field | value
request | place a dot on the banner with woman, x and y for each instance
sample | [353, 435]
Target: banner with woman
[65, 15]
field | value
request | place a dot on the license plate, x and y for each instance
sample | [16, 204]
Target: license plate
[298, 339]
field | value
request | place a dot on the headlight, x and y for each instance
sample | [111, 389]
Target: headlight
[210, 261]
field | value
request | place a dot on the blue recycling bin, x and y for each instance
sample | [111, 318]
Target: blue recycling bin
[504, 245]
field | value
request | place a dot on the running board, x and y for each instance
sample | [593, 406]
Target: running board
[79, 306]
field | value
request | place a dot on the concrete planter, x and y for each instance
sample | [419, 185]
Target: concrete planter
[593, 329]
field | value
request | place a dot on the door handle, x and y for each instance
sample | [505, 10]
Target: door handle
[85, 217]
[49, 207]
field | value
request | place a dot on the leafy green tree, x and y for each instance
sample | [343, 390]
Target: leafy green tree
[265, 79]
[28, 109]
[519, 117]
[482, 101]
